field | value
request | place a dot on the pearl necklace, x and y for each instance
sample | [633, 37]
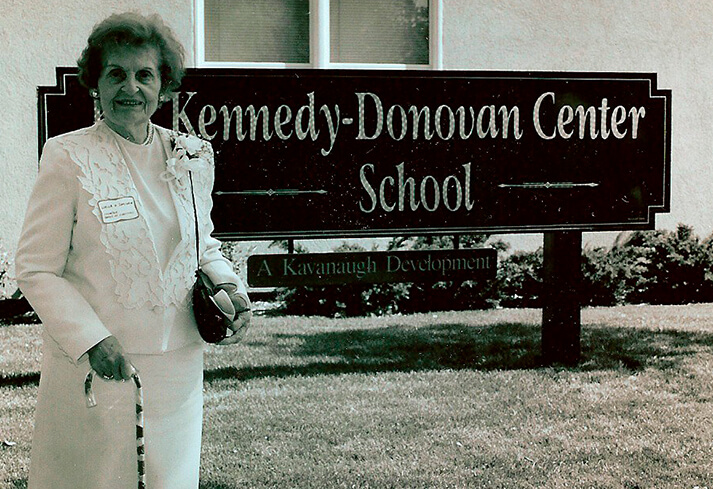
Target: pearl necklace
[146, 142]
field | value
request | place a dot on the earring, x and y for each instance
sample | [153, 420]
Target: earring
[94, 93]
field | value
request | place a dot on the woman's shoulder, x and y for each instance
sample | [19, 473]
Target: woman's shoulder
[76, 136]
[75, 147]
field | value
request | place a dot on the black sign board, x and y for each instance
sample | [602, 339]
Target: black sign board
[321, 153]
[296, 269]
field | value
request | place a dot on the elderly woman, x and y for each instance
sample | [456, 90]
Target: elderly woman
[107, 258]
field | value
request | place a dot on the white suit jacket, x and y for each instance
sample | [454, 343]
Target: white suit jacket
[86, 261]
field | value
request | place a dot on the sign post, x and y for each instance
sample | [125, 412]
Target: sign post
[561, 311]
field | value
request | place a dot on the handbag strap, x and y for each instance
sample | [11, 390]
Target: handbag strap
[195, 217]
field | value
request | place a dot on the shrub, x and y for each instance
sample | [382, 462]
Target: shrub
[654, 267]
[668, 267]
[519, 280]
[605, 277]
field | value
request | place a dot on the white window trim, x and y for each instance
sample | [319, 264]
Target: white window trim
[319, 43]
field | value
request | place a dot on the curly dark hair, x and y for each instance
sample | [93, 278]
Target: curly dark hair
[133, 29]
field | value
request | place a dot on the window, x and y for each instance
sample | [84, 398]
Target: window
[257, 31]
[318, 33]
[375, 31]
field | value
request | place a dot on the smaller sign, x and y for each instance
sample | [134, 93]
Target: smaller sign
[298, 269]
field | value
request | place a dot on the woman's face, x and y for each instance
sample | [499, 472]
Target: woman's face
[129, 87]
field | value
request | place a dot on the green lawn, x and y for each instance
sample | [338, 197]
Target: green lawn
[447, 400]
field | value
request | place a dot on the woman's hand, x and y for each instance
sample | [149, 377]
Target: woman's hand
[241, 323]
[108, 360]
[239, 327]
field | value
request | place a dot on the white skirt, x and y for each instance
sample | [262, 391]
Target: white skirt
[76, 447]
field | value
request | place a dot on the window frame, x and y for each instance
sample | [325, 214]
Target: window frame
[320, 43]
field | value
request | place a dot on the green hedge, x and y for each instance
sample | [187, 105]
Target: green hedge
[652, 267]
[642, 267]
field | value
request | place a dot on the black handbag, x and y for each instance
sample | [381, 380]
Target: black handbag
[212, 320]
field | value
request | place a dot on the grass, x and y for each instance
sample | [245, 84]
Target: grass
[447, 400]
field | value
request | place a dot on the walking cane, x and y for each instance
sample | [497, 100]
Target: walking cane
[140, 451]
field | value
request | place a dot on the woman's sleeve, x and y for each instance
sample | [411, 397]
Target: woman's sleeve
[213, 263]
[42, 253]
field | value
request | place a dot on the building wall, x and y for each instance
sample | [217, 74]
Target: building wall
[669, 37]
[673, 38]
[35, 38]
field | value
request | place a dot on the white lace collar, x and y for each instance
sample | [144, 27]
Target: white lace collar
[133, 258]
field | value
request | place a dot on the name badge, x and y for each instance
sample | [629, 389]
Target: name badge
[115, 210]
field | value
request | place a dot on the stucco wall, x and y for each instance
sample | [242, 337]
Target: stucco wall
[670, 37]
[35, 37]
